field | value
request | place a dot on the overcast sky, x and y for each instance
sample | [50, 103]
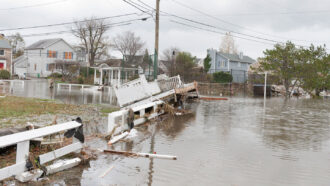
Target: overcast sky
[256, 24]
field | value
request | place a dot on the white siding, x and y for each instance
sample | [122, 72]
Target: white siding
[39, 58]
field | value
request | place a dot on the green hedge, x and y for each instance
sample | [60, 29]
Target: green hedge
[4, 74]
[222, 77]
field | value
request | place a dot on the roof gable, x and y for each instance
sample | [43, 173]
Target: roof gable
[235, 57]
[42, 44]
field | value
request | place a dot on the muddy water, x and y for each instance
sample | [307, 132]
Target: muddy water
[235, 142]
[40, 89]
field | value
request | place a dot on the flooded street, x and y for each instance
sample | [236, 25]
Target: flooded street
[40, 89]
[235, 142]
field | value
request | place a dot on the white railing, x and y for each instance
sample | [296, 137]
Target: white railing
[135, 90]
[22, 139]
[170, 83]
[81, 86]
[119, 119]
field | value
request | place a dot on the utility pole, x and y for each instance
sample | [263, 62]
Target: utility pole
[156, 41]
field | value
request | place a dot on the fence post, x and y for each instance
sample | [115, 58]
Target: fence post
[22, 153]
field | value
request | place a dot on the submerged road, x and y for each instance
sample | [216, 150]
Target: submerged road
[234, 142]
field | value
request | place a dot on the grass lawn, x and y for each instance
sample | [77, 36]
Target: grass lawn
[11, 106]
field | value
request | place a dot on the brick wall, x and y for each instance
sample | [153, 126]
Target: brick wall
[224, 89]
[7, 58]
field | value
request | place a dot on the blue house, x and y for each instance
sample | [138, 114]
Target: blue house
[235, 64]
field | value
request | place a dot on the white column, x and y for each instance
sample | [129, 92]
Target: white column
[109, 78]
[101, 77]
[126, 76]
[94, 75]
[119, 77]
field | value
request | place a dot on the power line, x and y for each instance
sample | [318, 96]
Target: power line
[208, 25]
[221, 20]
[222, 33]
[66, 31]
[122, 23]
[68, 23]
[32, 6]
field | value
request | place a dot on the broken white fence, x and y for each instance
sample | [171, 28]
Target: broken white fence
[146, 111]
[140, 89]
[167, 84]
[22, 139]
[135, 90]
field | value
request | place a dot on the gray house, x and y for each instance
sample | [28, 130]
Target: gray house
[236, 64]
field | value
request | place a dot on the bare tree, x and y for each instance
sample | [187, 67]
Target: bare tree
[91, 33]
[128, 45]
[169, 55]
[17, 43]
[228, 44]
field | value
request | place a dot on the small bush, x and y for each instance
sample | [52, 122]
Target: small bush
[4, 74]
[83, 71]
[80, 80]
[222, 77]
[55, 75]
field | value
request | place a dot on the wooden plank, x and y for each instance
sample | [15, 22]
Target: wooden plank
[29, 175]
[63, 165]
[47, 157]
[28, 135]
[12, 170]
[146, 155]
[117, 138]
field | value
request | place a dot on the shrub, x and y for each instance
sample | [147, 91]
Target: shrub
[4, 74]
[55, 75]
[222, 77]
[83, 71]
[80, 80]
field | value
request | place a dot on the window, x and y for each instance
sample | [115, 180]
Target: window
[68, 55]
[51, 54]
[2, 52]
[239, 64]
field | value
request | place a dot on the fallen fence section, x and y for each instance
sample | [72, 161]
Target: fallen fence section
[146, 155]
[139, 89]
[146, 111]
[22, 139]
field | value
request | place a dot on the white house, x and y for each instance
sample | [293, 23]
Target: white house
[39, 58]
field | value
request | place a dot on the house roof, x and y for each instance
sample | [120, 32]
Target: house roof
[235, 57]
[114, 63]
[4, 44]
[20, 62]
[43, 43]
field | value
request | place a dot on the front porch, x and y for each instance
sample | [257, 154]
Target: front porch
[113, 76]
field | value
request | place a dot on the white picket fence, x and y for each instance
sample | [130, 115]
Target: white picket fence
[135, 90]
[119, 118]
[22, 139]
[170, 83]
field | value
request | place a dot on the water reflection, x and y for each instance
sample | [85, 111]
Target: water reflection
[75, 95]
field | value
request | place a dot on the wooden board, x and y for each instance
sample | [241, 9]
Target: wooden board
[12, 170]
[47, 157]
[31, 134]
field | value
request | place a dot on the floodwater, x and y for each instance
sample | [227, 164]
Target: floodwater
[39, 88]
[235, 142]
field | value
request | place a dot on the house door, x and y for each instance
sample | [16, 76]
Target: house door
[1, 65]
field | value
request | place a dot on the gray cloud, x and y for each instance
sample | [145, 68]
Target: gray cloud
[278, 19]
